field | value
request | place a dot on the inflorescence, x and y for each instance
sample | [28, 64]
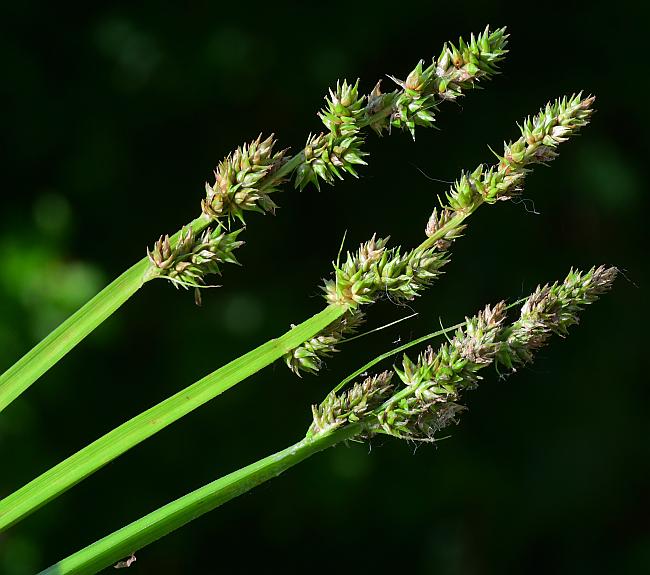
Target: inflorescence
[309, 356]
[375, 271]
[455, 70]
[434, 384]
[192, 257]
[540, 137]
[242, 181]
[247, 178]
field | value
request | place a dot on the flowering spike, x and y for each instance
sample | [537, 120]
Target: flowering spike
[326, 156]
[192, 258]
[540, 137]
[374, 271]
[455, 71]
[552, 309]
[435, 383]
[352, 405]
[309, 357]
[242, 183]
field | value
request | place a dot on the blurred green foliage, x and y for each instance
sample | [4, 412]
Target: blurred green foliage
[115, 116]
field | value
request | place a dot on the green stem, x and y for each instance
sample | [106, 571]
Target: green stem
[91, 458]
[284, 170]
[57, 344]
[164, 520]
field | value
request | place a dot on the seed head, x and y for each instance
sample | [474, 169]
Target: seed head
[434, 384]
[540, 136]
[187, 262]
[456, 70]
[310, 356]
[327, 157]
[352, 405]
[552, 309]
[375, 271]
[344, 109]
[241, 181]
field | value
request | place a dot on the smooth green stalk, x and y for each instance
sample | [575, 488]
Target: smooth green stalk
[124, 542]
[57, 344]
[91, 458]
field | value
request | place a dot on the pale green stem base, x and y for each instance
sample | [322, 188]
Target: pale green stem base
[124, 542]
[85, 462]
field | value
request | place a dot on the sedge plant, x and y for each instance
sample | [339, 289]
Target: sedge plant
[373, 272]
[432, 386]
[248, 179]
[412, 402]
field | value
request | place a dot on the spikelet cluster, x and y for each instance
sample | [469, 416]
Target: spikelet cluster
[552, 309]
[242, 183]
[352, 405]
[192, 257]
[344, 109]
[434, 384]
[372, 272]
[309, 357]
[457, 69]
[540, 136]
[328, 157]
[375, 271]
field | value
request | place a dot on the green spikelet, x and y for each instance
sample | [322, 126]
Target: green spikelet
[327, 157]
[186, 263]
[375, 271]
[457, 70]
[240, 181]
[344, 109]
[309, 357]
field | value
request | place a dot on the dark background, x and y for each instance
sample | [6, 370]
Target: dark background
[115, 114]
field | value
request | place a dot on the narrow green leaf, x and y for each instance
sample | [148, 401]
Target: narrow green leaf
[91, 458]
[124, 542]
[20, 376]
